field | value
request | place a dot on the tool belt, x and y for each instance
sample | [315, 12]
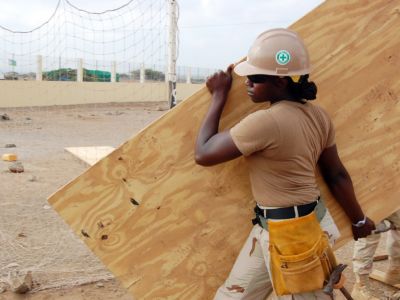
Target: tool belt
[262, 215]
[301, 258]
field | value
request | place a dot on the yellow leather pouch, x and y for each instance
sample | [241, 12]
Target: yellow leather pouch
[301, 258]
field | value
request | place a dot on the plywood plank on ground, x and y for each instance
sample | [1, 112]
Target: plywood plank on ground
[170, 229]
[380, 276]
[90, 155]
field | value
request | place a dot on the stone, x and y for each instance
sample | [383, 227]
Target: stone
[4, 117]
[10, 146]
[21, 284]
[32, 178]
[160, 108]
[3, 287]
[16, 167]
[11, 265]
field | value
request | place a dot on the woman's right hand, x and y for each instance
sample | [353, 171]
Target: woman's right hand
[220, 81]
[363, 231]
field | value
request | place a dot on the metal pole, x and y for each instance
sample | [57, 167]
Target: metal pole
[172, 53]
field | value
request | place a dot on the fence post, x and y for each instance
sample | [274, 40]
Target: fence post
[142, 74]
[39, 70]
[79, 76]
[172, 52]
[114, 72]
[188, 75]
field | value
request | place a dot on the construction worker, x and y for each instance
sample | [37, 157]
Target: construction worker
[282, 146]
[364, 250]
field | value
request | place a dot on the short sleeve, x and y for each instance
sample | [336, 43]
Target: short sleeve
[258, 131]
[329, 129]
[331, 135]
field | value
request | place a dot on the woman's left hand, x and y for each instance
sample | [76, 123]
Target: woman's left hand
[220, 81]
[363, 231]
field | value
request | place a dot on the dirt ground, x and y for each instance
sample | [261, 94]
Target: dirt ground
[32, 236]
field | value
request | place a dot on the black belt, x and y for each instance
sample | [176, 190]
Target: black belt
[286, 212]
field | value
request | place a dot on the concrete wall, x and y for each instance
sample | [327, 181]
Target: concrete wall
[46, 93]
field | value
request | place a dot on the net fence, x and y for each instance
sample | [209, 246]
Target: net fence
[128, 44]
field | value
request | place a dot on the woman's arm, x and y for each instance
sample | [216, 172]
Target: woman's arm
[339, 182]
[212, 147]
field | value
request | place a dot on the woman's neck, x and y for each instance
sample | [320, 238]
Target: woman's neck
[287, 98]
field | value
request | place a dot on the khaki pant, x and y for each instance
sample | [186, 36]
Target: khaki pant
[249, 278]
[364, 249]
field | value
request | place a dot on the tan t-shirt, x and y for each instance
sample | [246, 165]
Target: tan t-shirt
[282, 146]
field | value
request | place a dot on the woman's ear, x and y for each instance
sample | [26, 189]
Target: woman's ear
[281, 82]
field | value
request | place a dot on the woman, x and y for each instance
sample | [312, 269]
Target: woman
[282, 145]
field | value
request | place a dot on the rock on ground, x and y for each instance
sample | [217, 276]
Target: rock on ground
[16, 167]
[21, 284]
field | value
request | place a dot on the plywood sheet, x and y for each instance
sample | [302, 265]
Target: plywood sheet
[170, 229]
[90, 155]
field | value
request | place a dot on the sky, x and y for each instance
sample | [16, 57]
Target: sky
[212, 33]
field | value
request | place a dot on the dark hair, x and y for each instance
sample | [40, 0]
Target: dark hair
[303, 89]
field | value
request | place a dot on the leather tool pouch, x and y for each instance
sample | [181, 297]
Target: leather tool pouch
[301, 258]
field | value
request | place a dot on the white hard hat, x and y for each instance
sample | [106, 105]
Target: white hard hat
[279, 52]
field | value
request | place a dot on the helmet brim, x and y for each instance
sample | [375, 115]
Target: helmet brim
[245, 69]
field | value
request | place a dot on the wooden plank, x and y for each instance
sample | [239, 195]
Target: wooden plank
[381, 257]
[380, 276]
[90, 155]
[168, 228]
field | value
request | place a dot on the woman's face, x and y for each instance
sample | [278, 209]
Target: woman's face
[262, 88]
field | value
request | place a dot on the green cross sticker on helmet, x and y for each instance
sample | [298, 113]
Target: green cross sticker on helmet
[282, 57]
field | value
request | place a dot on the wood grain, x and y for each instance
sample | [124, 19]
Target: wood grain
[169, 229]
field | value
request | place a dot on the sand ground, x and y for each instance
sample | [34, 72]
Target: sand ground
[32, 236]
